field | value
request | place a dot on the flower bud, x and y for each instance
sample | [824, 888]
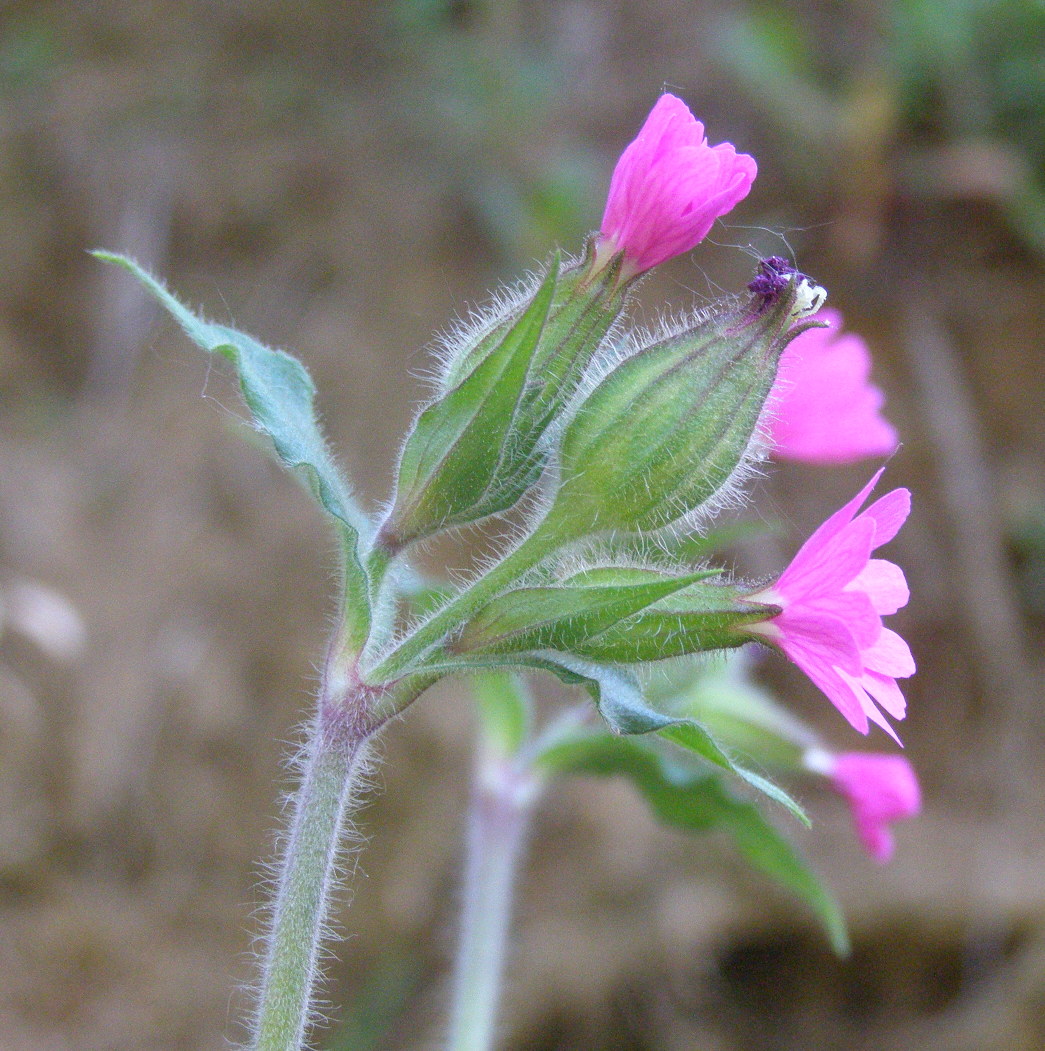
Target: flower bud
[880, 790]
[669, 187]
[665, 432]
[476, 450]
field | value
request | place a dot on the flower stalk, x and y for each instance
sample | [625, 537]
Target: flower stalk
[503, 797]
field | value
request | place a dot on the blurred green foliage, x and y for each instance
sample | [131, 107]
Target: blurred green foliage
[480, 92]
[915, 78]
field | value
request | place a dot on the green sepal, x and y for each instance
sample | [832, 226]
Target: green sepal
[568, 617]
[686, 547]
[522, 376]
[460, 462]
[280, 395]
[664, 431]
[697, 801]
[583, 310]
[582, 316]
[707, 614]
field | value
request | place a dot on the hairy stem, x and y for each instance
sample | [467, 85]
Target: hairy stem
[432, 631]
[331, 769]
[502, 803]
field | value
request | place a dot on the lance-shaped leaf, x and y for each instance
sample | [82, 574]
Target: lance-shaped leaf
[697, 801]
[665, 430]
[618, 696]
[569, 616]
[281, 398]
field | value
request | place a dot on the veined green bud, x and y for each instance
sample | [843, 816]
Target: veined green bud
[614, 614]
[702, 616]
[476, 450]
[569, 614]
[665, 432]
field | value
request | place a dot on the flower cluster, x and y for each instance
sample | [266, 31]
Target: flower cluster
[667, 190]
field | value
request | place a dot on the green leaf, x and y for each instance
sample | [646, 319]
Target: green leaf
[568, 617]
[280, 396]
[505, 709]
[618, 696]
[694, 736]
[743, 714]
[619, 699]
[697, 802]
[458, 463]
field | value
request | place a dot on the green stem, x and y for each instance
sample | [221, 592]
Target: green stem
[534, 548]
[502, 803]
[331, 770]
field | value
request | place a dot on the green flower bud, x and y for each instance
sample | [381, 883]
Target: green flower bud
[615, 614]
[477, 449]
[667, 431]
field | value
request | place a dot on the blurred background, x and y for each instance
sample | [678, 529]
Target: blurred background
[340, 179]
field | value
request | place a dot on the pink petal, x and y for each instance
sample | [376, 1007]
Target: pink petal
[884, 583]
[830, 565]
[889, 513]
[867, 704]
[840, 519]
[823, 409]
[670, 186]
[832, 597]
[889, 655]
[854, 609]
[885, 691]
[838, 689]
[880, 790]
[810, 635]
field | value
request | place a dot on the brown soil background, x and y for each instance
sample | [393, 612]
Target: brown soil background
[339, 179]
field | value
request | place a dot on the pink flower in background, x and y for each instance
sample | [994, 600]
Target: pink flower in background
[880, 789]
[832, 598]
[823, 409]
[669, 187]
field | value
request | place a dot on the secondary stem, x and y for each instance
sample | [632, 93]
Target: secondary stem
[502, 802]
[531, 551]
[331, 769]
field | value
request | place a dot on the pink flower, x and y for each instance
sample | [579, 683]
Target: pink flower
[823, 409]
[880, 789]
[669, 187]
[832, 599]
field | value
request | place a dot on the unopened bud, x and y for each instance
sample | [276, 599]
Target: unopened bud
[664, 433]
[476, 450]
